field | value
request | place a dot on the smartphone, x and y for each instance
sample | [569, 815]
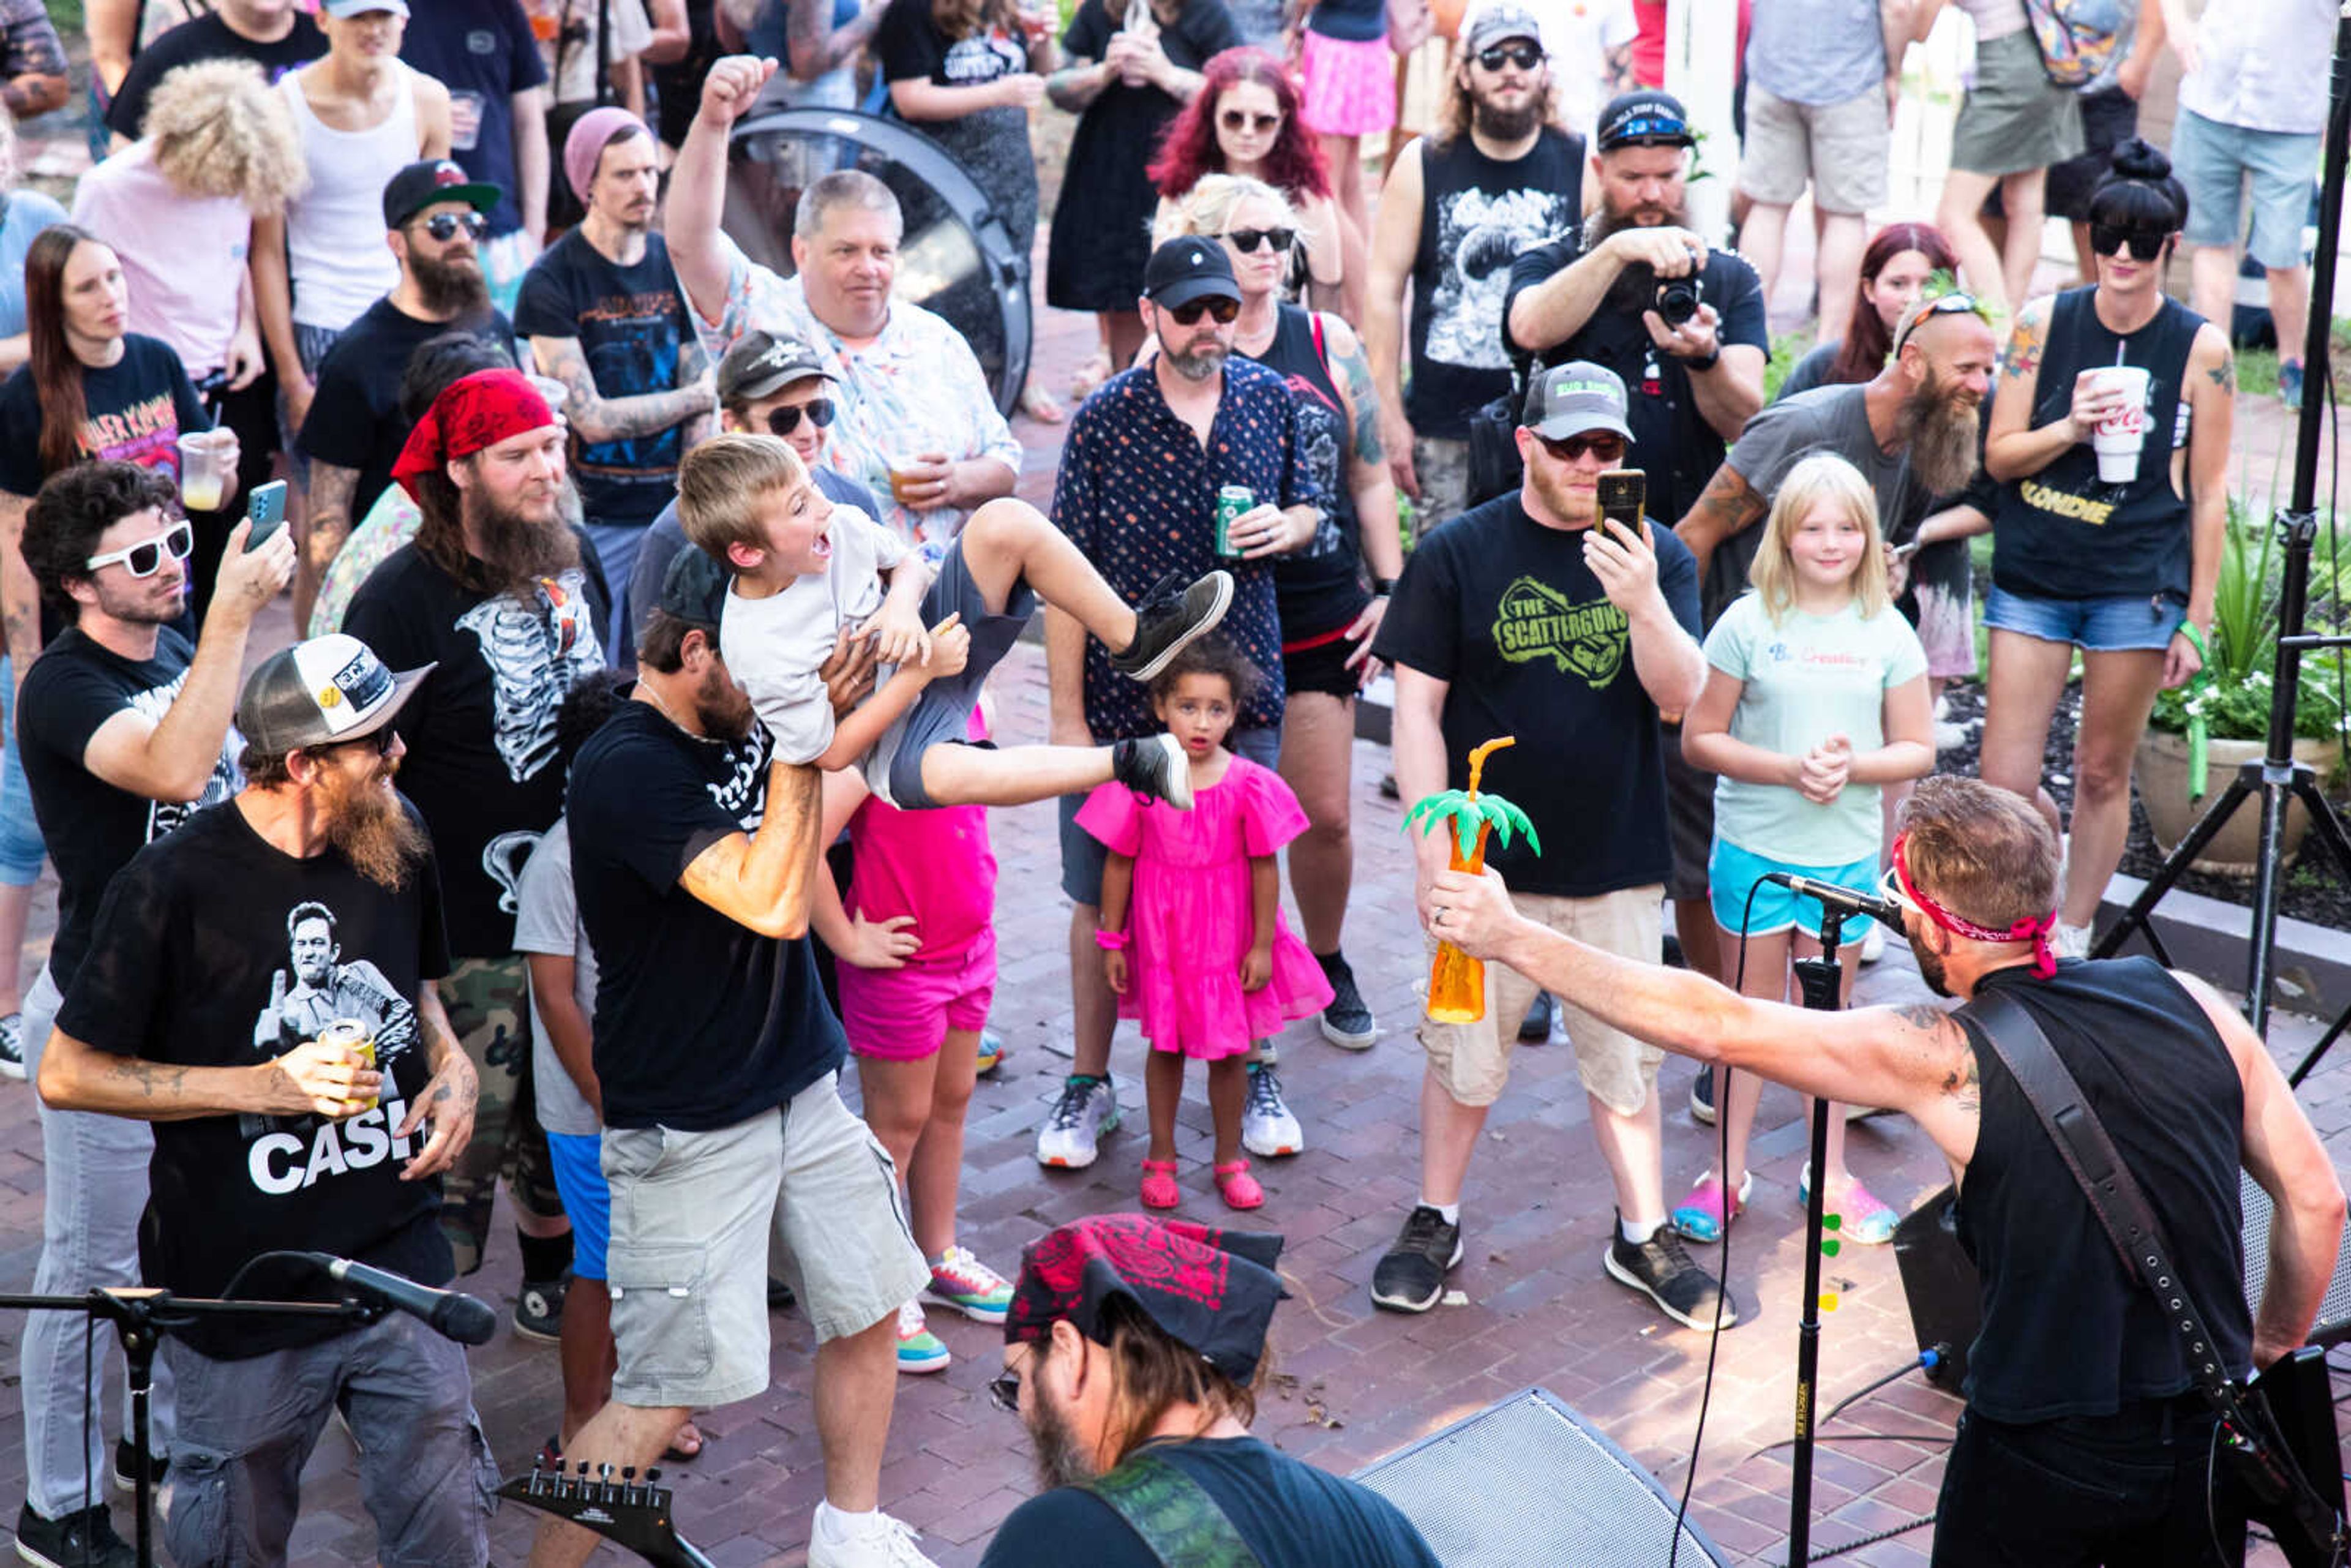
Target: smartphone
[267, 508]
[1621, 493]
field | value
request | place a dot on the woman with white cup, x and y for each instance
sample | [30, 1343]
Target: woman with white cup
[2109, 438]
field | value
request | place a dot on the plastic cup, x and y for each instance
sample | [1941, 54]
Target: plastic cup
[902, 480]
[203, 471]
[2118, 440]
[556, 393]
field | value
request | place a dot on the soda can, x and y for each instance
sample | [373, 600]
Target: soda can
[1232, 500]
[359, 1037]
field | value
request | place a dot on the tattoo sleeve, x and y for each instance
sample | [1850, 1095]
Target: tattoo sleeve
[600, 418]
[1364, 394]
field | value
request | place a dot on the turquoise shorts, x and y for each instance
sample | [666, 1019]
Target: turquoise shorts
[1732, 872]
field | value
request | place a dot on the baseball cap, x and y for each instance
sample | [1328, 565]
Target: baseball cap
[760, 365]
[1188, 267]
[1644, 119]
[321, 693]
[1578, 396]
[1498, 23]
[694, 588]
[361, 8]
[422, 184]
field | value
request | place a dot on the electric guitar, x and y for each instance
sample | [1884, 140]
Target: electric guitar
[630, 1513]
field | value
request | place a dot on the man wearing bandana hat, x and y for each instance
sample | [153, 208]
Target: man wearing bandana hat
[1133, 1351]
[2076, 1385]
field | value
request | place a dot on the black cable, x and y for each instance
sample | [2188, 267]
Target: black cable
[89, 1415]
[1925, 1361]
[1823, 1556]
[1923, 1440]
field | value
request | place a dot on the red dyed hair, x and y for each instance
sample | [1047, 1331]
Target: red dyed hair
[1867, 341]
[1188, 150]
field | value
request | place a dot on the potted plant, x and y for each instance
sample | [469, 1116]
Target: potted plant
[2231, 698]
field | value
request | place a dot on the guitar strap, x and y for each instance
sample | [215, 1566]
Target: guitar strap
[1178, 1519]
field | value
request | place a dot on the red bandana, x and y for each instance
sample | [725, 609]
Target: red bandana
[472, 412]
[1211, 1290]
[2035, 930]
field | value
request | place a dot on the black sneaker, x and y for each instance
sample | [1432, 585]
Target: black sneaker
[1660, 1270]
[1155, 767]
[539, 1311]
[1171, 617]
[126, 1460]
[1346, 1022]
[1702, 1097]
[1535, 1028]
[84, 1540]
[12, 1046]
[1412, 1276]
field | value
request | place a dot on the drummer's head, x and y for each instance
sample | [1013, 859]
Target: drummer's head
[845, 239]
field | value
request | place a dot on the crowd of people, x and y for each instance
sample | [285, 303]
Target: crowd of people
[629, 783]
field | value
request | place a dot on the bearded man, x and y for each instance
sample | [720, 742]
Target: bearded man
[503, 596]
[310, 1150]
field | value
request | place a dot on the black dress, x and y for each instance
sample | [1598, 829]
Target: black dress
[991, 145]
[1102, 225]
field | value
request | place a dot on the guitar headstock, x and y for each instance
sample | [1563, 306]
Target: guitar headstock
[629, 1512]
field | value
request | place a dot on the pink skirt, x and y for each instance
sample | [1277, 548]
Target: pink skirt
[1350, 87]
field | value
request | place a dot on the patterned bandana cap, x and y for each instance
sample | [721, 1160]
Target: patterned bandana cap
[472, 412]
[1898, 886]
[1212, 1290]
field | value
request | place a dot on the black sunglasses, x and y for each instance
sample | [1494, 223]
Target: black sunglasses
[1608, 446]
[2146, 240]
[1004, 1391]
[1246, 240]
[443, 227]
[1524, 55]
[383, 740]
[1225, 310]
[146, 557]
[1242, 120]
[784, 421]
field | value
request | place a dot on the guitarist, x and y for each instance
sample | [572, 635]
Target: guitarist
[2084, 1440]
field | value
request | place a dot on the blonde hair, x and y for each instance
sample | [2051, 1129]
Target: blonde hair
[1822, 479]
[1208, 206]
[215, 129]
[721, 482]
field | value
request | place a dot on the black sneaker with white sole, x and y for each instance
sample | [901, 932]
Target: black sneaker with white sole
[1172, 615]
[539, 1309]
[84, 1540]
[1347, 1022]
[1535, 1028]
[1156, 766]
[1662, 1270]
[1411, 1277]
[12, 1046]
[126, 1461]
[1701, 1099]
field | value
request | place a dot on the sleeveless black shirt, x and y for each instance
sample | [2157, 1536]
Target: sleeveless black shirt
[1316, 589]
[2062, 533]
[2065, 1331]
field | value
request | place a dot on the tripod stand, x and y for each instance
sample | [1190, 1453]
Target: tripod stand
[2277, 778]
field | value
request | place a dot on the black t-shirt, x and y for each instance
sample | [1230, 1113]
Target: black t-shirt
[1290, 1514]
[1671, 439]
[1317, 589]
[482, 51]
[911, 47]
[354, 421]
[701, 1023]
[91, 827]
[1505, 610]
[630, 323]
[214, 948]
[206, 38]
[137, 408]
[480, 731]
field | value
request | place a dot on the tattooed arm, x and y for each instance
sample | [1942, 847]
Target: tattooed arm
[2014, 449]
[449, 1098]
[1727, 507]
[331, 1080]
[598, 418]
[762, 879]
[1367, 479]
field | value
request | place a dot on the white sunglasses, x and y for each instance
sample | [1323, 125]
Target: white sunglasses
[146, 557]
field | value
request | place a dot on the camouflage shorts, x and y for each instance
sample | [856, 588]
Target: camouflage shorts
[488, 1002]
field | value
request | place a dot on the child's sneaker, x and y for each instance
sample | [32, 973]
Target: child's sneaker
[919, 1350]
[1156, 768]
[1071, 1136]
[962, 1281]
[1269, 1128]
[991, 1052]
[1171, 617]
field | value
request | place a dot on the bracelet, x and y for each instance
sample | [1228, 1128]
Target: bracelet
[1383, 586]
[1109, 941]
[1708, 363]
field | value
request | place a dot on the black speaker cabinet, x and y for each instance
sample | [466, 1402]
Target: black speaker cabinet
[1940, 1285]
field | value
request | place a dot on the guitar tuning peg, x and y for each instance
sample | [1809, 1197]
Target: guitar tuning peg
[604, 1473]
[652, 1475]
[583, 1467]
[629, 1473]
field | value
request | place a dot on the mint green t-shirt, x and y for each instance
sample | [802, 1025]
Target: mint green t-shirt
[1803, 679]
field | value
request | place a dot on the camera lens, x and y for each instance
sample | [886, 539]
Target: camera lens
[1678, 300]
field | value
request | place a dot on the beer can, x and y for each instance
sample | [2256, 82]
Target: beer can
[359, 1037]
[1232, 500]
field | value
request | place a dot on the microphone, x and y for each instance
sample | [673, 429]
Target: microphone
[453, 1314]
[1843, 898]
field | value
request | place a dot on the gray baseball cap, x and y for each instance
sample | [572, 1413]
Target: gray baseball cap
[1499, 23]
[1578, 396]
[321, 693]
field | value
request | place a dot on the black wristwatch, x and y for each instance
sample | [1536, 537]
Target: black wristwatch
[1708, 363]
[1383, 586]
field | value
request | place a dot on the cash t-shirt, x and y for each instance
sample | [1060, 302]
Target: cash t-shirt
[215, 948]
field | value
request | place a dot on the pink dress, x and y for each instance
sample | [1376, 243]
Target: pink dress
[1189, 922]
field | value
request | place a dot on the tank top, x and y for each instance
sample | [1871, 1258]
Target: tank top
[2065, 1331]
[1316, 591]
[334, 230]
[1476, 214]
[2062, 533]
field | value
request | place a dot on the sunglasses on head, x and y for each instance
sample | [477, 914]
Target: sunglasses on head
[1243, 120]
[1606, 446]
[1523, 54]
[2146, 240]
[146, 557]
[1952, 304]
[443, 227]
[1223, 309]
[784, 421]
[1246, 240]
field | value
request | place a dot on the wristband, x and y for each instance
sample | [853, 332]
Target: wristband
[1383, 586]
[1708, 363]
[1111, 941]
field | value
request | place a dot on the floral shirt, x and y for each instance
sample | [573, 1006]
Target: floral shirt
[390, 523]
[917, 388]
[1137, 492]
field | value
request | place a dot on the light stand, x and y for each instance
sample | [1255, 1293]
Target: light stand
[2277, 778]
[1822, 981]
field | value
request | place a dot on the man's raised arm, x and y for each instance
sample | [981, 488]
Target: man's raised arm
[762, 879]
[697, 183]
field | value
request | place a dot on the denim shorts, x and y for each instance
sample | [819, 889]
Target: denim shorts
[2123, 622]
[2215, 161]
[21, 850]
[1732, 873]
[1082, 856]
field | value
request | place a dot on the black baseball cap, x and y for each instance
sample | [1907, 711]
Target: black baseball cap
[430, 179]
[321, 693]
[1646, 117]
[694, 588]
[761, 364]
[1189, 267]
[1575, 398]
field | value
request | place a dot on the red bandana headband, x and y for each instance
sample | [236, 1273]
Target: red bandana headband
[2033, 929]
[472, 412]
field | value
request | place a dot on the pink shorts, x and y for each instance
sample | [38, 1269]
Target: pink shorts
[904, 1015]
[1350, 86]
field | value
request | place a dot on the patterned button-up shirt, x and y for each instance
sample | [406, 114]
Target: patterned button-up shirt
[917, 388]
[1137, 492]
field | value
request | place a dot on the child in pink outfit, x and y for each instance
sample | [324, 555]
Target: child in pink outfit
[1205, 962]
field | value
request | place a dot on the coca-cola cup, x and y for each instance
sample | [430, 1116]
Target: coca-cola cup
[2118, 437]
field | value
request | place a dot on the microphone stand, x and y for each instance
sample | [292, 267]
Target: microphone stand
[142, 1317]
[1821, 981]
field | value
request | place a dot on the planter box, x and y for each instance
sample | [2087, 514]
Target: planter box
[2162, 777]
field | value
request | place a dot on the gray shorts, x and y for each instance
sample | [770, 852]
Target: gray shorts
[1082, 854]
[942, 715]
[693, 1215]
[246, 1427]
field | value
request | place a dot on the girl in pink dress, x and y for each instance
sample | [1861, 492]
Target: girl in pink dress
[1205, 962]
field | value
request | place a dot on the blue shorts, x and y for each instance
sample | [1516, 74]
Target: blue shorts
[1082, 854]
[2126, 623]
[2216, 162]
[587, 1198]
[21, 850]
[1732, 872]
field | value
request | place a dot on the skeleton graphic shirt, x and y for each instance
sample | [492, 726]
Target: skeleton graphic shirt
[480, 731]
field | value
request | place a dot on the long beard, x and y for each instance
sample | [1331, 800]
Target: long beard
[451, 288]
[514, 552]
[1608, 221]
[1506, 124]
[1060, 1458]
[368, 825]
[1939, 434]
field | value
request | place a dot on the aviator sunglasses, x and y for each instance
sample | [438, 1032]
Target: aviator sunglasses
[784, 421]
[443, 227]
[146, 557]
[1247, 241]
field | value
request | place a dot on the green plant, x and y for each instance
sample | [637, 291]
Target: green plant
[2233, 698]
[1786, 349]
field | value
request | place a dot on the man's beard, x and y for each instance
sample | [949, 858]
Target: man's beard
[135, 609]
[514, 551]
[1608, 221]
[1937, 430]
[1930, 966]
[1201, 362]
[1636, 287]
[1060, 1459]
[368, 824]
[721, 711]
[1560, 501]
[452, 287]
[1498, 124]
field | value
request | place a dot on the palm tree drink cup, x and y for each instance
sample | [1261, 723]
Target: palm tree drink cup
[1456, 982]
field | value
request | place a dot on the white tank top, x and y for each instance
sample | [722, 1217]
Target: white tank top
[334, 230]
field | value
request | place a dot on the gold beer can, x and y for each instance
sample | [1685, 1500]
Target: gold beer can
[360, 1037]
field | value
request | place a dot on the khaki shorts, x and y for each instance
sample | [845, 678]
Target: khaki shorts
[1472, 1060]
[1842, 147]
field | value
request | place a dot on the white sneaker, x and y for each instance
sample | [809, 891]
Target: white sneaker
[1872, 947]
[878, 1542]
[1268, 1129]
[2070, 941]
[1071, 1135]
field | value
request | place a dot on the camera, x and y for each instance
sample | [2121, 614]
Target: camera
[1678, 299]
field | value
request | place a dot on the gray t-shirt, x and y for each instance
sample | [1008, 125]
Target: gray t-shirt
[1816, 51]
[547, 921]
